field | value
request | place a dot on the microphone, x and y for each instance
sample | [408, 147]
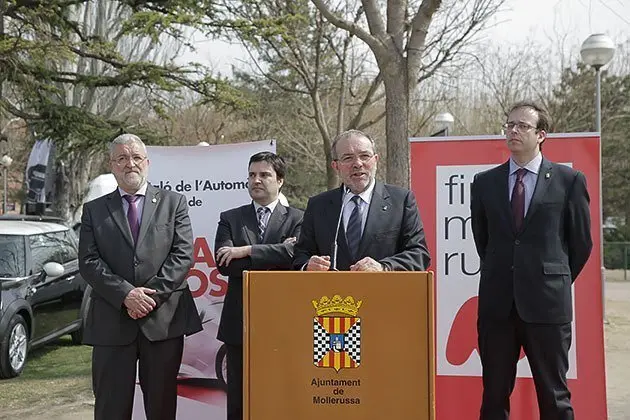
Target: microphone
[333, 266]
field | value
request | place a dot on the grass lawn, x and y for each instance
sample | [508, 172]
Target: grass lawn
[55, 374]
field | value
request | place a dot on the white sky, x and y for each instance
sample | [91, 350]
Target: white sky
[544, 21]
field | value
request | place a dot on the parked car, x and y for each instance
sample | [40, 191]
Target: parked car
[42, 294]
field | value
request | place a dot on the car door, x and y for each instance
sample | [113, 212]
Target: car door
[73, 297]
[51, 299]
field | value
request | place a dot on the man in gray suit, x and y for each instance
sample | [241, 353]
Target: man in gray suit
[135, 251]
[256, 236]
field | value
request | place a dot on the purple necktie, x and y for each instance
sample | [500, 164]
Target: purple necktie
[132, 216]
[518, 199]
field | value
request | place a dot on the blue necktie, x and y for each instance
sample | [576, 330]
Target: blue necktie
[353, 230]
[262, 222]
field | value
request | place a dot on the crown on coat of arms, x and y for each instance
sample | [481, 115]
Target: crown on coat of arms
[337, 304]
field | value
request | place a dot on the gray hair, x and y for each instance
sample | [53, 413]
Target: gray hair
[126, 139]
[346, 135]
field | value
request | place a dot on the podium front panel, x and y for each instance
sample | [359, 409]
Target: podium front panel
[341, 345]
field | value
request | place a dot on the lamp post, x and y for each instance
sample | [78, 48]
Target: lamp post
[597, 51]
[444, 122]
[5, 162]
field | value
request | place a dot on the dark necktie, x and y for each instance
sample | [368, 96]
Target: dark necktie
[132, 216]
[262, 222]
[353, 230]
[518, 199]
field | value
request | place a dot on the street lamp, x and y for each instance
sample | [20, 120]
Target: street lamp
[597, 51]
[5, 162]
[444, 122]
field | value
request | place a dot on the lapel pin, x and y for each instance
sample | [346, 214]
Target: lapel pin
[547, 175]
[384, 208]
[155, 199]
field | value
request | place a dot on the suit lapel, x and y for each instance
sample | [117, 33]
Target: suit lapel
[542, 182]
[503, 185]
[378, 213]
[151, 200]
[333, 212]
[250, 224]
[276, 220]
[115, 207]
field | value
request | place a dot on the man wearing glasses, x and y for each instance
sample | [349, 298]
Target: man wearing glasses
[135, 251]
[364, 225]
[532, 230]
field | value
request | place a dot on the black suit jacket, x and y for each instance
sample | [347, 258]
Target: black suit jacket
[239, 227]
[393, 233]
[113, 266]
[534, 267]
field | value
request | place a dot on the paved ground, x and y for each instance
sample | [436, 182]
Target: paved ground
[617, 337]
[618, 350]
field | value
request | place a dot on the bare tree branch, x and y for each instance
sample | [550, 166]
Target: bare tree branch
[351, 27]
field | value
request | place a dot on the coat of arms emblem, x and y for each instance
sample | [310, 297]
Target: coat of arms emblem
[337, 333]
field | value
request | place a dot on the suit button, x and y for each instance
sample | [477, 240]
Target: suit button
[136, 263]
[517, 242]
[512, 268]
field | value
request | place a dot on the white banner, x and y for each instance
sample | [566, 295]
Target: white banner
[214, 179]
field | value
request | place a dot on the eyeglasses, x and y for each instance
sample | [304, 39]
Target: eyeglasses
[348, 159]
[520, 127]
[136, 159]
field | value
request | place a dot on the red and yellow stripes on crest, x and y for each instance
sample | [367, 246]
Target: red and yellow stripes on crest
[337, 360]
[337, 325]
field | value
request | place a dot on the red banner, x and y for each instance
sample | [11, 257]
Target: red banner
[442, 169]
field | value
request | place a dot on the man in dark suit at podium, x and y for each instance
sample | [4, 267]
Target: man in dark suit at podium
[135, 250]
[364, 225]
[256, 236]
[531, 225]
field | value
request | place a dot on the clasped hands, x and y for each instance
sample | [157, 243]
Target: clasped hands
[139, 302]
[322, 263]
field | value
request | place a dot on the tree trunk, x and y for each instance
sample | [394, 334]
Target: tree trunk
[72, 177]
[332, 181]
[396, 122]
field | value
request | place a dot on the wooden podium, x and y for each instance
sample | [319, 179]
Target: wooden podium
[338, 345]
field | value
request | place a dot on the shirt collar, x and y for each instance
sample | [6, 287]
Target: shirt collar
[142, 191]
[271, 206]
[366, 195]
[532, 166]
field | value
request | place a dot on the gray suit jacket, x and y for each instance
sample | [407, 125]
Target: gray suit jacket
[393, 233]
[239, 227]
[113, 266]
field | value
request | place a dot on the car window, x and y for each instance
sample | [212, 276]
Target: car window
[12, 256]
[69, 246]
[44, 248]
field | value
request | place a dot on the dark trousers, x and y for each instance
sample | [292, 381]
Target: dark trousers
[114, 378]
[546, 347]
[235, 382]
